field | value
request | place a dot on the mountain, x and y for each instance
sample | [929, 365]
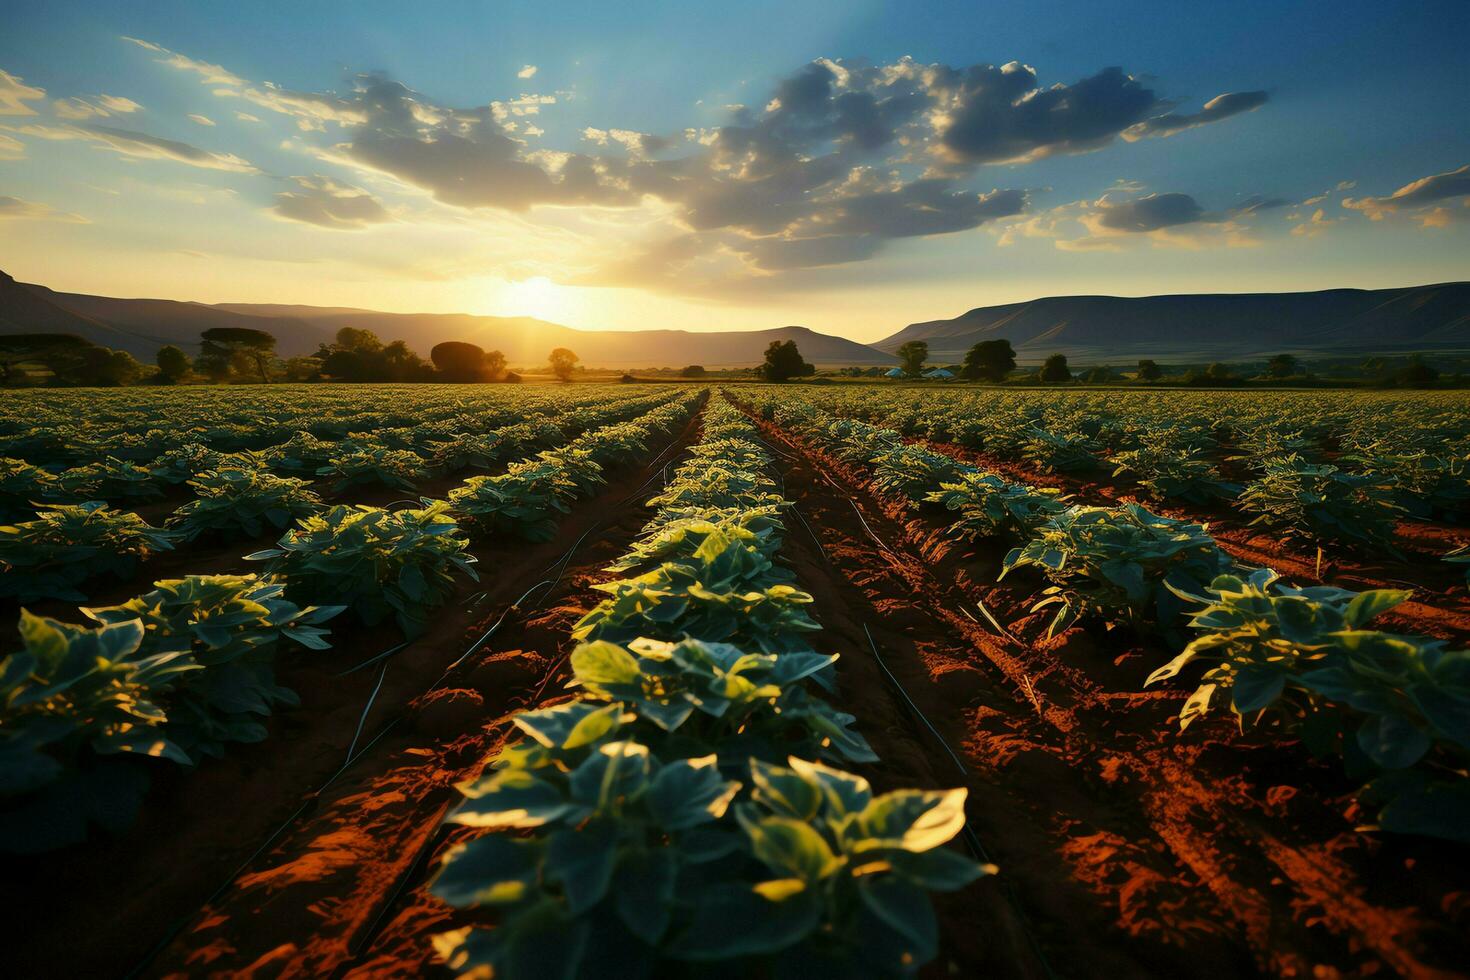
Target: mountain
[141, 326]
[1203, 327]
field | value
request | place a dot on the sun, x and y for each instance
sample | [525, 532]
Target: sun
[537, 296]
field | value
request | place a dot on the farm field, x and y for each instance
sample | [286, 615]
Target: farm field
[735, 680]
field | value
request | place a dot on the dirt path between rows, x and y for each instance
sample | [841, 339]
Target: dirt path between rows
[1131, 850]
[198, 828]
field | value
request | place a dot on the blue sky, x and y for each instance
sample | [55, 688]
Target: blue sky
[406, 157]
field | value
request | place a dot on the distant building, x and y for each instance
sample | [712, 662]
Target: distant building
[894, 373]
[939, 373]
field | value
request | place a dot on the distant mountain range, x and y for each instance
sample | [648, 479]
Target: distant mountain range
[141, 326]
[1208, 327]
[1088, 329]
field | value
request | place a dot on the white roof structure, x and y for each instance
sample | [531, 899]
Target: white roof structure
[939, 373]
[894, 373]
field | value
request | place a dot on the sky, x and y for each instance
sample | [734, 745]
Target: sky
[851, 167]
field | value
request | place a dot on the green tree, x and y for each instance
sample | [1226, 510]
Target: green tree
[1055, 369]
[236, 346]
[1417, 374]
[1283, 366]
[693, 371]
[911, 356]
[784, 361]
[459, 361]
[1098, 375]
[1149, 371]
[562, 362]
[173, 364]
[989, 360]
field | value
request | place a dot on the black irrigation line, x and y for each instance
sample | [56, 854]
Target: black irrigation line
[313, 798]
[972, 839]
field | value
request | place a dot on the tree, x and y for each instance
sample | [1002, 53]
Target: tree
[562, 362]
[783, 361]
[364, 341]
[53, 351]
[1149, 371]
[302, 368]
[989, 360]
[1283, 366]
[911, 356]
[236, 346]
[494, 366]
[173, 364]
[693, 371]
[1098, 375]
[1417, 374]
[459, 361]
[1055, 369]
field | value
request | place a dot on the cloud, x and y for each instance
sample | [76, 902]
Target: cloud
[201, 120]
[246, 117]
[208, 73]
[11, 148]
[14, 94]
[1315, 225]
[323, 202]
[528, 71]
[1419, 194]
[1218, 108]
[1149, 213]
[15, 209]
[128, 143]
[100, 106]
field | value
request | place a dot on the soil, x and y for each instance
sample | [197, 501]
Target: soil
[198, 828]
[1126, 849]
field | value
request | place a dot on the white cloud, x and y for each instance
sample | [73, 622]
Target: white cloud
[11, 148]
[14, 94]
[137, 145]
[326, 203]
[246, 117]
[201, 120]
[527, 72]
[15, 209]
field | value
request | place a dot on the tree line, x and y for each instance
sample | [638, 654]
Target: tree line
[240, 354]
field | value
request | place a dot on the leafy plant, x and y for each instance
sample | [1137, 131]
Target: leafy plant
[527, 498]
[364, 465]
[230, 625]
[678, 533]
[1167, 469]
[991, 507]
[66, 545]
[377, 562]
[24, 488]
[110, 479]
[75, 701]
[1060, 452]
[1323, 504]
[716, 697]
[1104, 561]
[1461, 556]
[910, 472]
[847, 874]
[242, 502]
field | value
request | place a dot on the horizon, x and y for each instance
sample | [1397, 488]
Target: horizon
[865, 170]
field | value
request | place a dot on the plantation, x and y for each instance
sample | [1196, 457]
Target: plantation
[788, 681]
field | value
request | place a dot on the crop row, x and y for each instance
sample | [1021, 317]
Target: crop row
[238, 496]
[179, 672]
[66, 427]
[397, 457]
[1298, 662]
[686, 807]
[1335, 473]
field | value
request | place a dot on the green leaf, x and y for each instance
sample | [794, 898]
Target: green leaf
[788, 846]
[906, 909]
[734, 921]
[1370, 604]
[643, 893]
[690, 792]
[1257, 689]
[604, 664]
[581, 859]
[509, 798]
[489, 870]
[1392, 742]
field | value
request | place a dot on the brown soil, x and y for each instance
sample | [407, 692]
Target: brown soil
[198, 828]
[1130, 849]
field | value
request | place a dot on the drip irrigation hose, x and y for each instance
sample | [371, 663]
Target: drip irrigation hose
[313, 798]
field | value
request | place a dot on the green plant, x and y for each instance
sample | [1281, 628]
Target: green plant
[66, 545]
[911, 472]
[1060, 452]
[990, 507]
[1168, 468]
[1103, 562]
[1461, 556]
[364, 465]
[679, 532]
[716, 697]
[24, 488]
[110, 479]
[242, 502]
[377, 562]
[230, 625]
[1323, 504]
[75, 701]
[526, 499]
